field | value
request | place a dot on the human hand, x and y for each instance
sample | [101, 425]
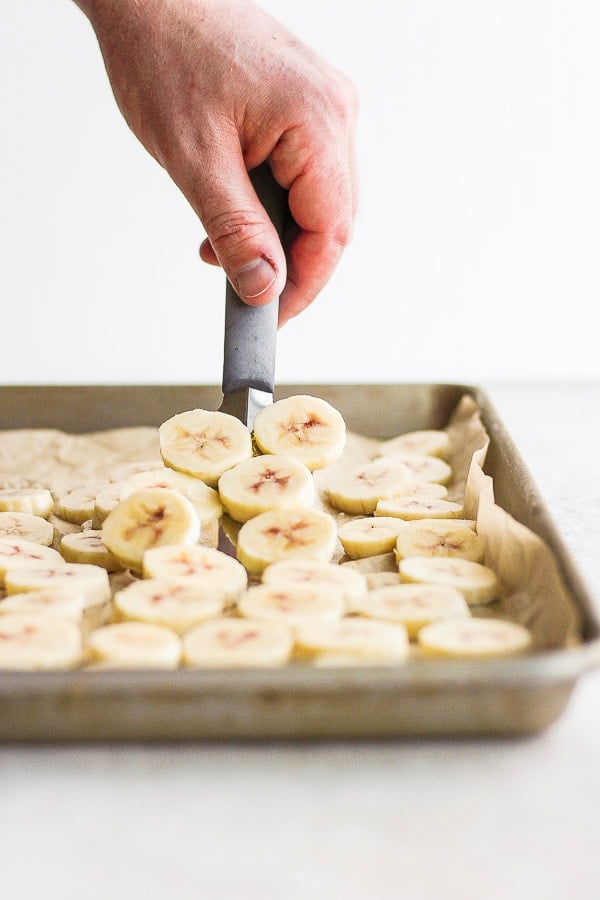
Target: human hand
[212, 88]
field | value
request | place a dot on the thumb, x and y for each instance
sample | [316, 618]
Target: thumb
[240, 232]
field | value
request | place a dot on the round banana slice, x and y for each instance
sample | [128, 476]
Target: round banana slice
[369, 537]
[414, 605]
[286, 534]
[474, 639]
[32, 641]
[265, 482]
[477, 583]
[104, 503]
[26, 527]
[409, 508]
[66, 602]
[237, 642]
[360, 489]
[438, 537]
[135, 645]
[153, 517]
[175, 604]
[204, 499]
[77, 506]
[204, 443]
[89, 580]
[16, 552]
[377, 580]
[89, 547]
[291, 604]
[431, 442]
[422, 467]
[37, 501]
[337, 579]
[365, 640]
[306, 428]
[217, 571]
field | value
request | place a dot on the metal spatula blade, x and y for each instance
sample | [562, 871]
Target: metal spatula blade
[251, 331]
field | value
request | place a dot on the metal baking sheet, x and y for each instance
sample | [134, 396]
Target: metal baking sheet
[488, 697]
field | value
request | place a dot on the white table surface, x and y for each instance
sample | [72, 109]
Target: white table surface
[492, 820]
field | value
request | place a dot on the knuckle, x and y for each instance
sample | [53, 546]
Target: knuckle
[231, 229]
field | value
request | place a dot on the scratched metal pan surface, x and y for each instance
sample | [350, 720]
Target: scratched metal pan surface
[419, 698]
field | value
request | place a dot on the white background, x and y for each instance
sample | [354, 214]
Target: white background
[479, 157]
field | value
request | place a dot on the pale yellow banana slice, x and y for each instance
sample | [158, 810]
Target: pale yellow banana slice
[179, 605]
[77, 506]
[438, 537]
[89, 580]
[123, 471]
[474, 639]
[337, 579]
[265, 482]
[135, 645]
[222, 574]
[286, 534]
[431, 442]
[306, 428]
[104, 502]
[37, 501]
[237, 642]
[26, 527]
[204, 443]
[365, 640]
[423, 468]
[66, 602]
[370, 536]
[419, 508]
[33, 641]
[414, 605]
[150, 518]
[16, 552]
[204, 499]
[360, 489]
[89, 547]
[377, 580]
[477, 583]
[291, 604]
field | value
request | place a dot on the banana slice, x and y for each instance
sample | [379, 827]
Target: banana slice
[306, 428]
[431, 442]
[89, 547]
[89, 580]
[369, 537]
[37, 501]
[135, 645]
[204, 443]
[360, 489]
[32, 641]
[16, 552]
[477, 583]
[409, 508]
[423, 468]
[204, 499]
[122, 471]
[77, 506]
[217, 571]
[26, 527]
[179, 605]
[291, 604]
[359, 638]
[286, 534]
[104, 502]
[377, 580]
[414, 605]
[348, 583]
[149, 518]
[265, 482]
[474, 639]
[66, 602]
[237, 642]
[438, 537]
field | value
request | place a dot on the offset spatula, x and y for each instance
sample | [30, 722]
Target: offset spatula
[251, 331]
